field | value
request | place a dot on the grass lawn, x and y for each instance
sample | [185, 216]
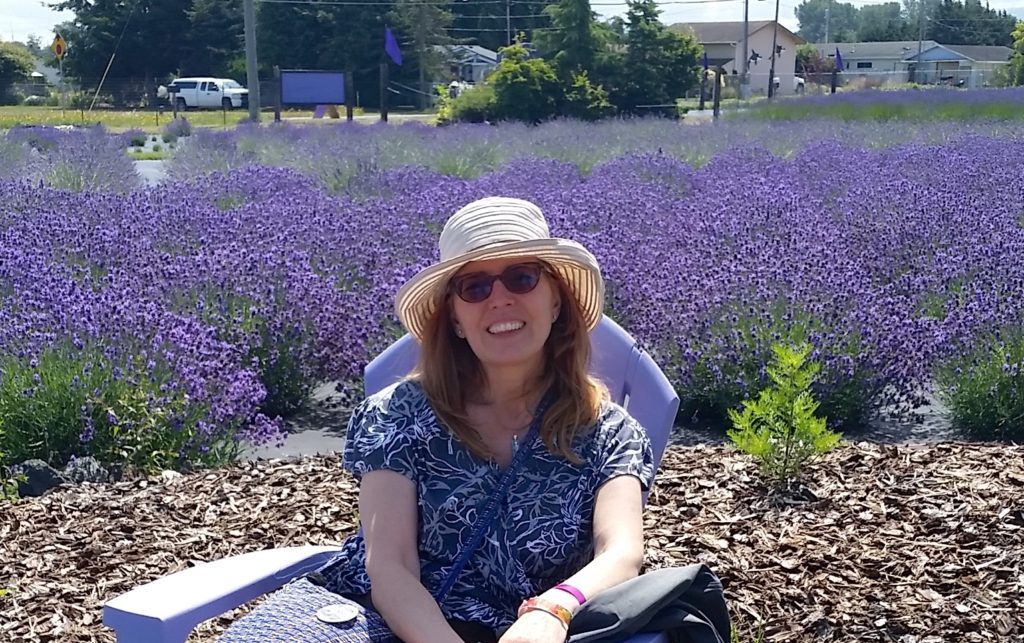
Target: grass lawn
[121, 120]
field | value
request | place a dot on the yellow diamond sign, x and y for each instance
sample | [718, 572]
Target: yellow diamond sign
[59, 47]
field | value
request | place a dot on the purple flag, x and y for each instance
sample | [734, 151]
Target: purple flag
[839, 60]
[391, 46]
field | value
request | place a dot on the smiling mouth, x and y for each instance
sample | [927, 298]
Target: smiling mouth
[505, 327]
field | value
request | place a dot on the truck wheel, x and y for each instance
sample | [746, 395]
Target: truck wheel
[225, 103]
[181, 104]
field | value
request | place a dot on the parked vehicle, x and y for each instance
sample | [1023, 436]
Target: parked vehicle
[212, 93]
[798, 84]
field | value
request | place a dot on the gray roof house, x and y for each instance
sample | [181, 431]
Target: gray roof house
[469, 63]
[50, 74]
[879, 63]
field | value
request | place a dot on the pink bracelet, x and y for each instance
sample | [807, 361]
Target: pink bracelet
[569, 589]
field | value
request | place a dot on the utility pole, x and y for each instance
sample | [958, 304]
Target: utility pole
[775, 52]
[921, 38]
[421, 52]
[828, 17]
[508, 22]
[252, 74]
[745, 77]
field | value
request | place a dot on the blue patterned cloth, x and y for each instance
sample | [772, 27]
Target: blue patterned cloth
[544, 533]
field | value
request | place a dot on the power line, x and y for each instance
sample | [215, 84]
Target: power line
[358, 3]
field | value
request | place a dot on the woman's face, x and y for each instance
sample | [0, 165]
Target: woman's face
[505, 329]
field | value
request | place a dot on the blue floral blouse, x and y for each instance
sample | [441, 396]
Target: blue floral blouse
[542, 535]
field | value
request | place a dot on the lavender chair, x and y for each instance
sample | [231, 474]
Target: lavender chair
[166, 610]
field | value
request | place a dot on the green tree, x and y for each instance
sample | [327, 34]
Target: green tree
[585, 100]
[39, 50]
[884, 23]
[969, 23]
[525, 88]
[16, 63]
[215, 39]
[812, 66]
[146, 38]
[812, 16]
[574, 36]
[657, 65]
[487, 24]
[1015, 70]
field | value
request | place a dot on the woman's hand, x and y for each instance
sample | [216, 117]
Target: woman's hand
[535, 626]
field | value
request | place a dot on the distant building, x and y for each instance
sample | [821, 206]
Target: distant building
[880, 63]
[50, 75]
[963, 65]
[468, 63]
[723, 42]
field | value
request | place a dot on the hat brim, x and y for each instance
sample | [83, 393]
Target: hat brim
[416, 301]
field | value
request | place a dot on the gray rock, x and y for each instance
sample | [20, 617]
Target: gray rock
[87, 469]
[39, 477]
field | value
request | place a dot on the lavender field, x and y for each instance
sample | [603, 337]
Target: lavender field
[175, 324]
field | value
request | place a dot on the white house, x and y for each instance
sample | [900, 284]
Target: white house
[723, 43]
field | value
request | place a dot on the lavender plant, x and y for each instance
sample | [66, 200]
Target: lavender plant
[246, 286]
[984, 388]
[178, 128]
[78, 160]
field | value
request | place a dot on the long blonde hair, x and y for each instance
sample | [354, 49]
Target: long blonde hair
[451, 374]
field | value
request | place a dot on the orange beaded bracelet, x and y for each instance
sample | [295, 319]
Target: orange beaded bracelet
[550, 607]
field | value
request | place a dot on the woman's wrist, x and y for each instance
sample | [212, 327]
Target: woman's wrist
[563, 599]
[551, 608]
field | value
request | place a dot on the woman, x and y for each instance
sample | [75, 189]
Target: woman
[501, 395]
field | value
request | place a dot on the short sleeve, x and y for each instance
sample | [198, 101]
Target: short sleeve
[381, 435]
[626, 449]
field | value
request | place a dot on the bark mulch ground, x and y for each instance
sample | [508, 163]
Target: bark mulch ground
[915, 544]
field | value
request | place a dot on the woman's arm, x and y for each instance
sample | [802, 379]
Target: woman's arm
[389, 515]
[618, 555]
[618, 541]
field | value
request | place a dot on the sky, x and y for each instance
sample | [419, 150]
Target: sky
[21, 18]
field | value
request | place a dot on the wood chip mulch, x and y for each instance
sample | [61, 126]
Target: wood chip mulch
[915, 544]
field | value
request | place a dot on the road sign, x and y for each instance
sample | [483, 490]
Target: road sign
[59, 47]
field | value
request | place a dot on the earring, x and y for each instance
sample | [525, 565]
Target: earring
[458, 331]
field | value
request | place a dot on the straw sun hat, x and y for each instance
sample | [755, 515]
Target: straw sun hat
[500, 228]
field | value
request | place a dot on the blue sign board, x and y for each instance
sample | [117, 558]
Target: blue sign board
[300, 87]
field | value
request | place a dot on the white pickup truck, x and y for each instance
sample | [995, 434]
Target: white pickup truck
[213, 93]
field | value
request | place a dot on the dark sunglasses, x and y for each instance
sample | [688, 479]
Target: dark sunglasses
[475, 287]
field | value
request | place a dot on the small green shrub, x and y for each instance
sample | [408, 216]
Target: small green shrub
[586, 101]
[781, 428]
[8, 485]
[525, 88]
[157, 148]
[984, 388]
[474, 105]
[138, 140]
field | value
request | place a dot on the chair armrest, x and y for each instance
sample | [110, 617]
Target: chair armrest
[167, 609]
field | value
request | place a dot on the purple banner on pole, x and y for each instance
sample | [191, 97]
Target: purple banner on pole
[391, 46]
